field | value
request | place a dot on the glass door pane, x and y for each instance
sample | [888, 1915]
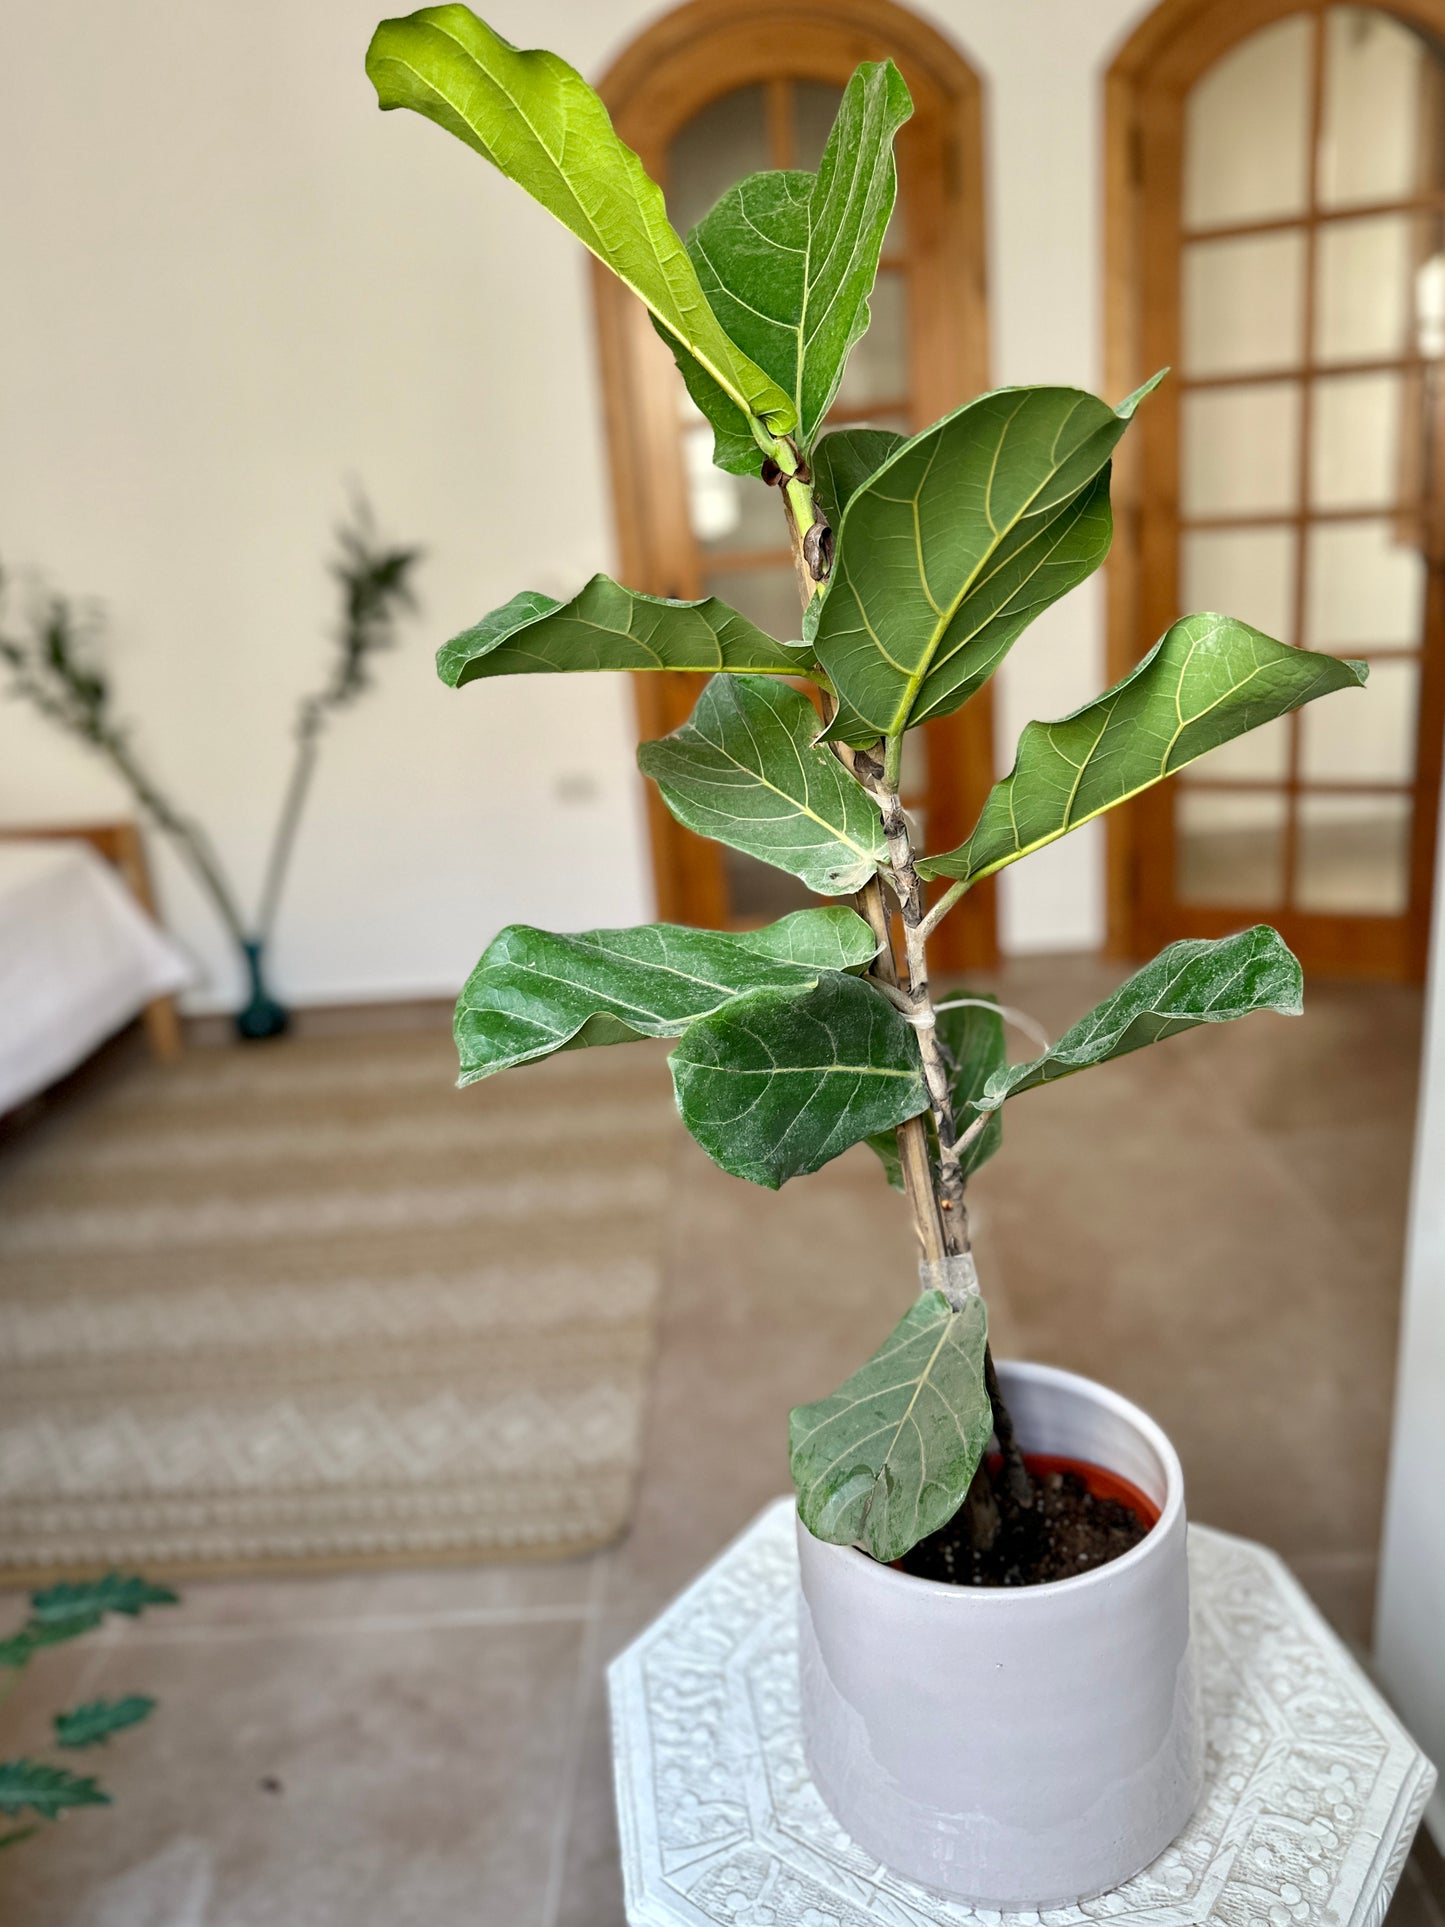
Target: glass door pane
[1353, 856]
[727, 140]
[1323, 440]
[1246, 143]
[1369, 140]
[1230, 847]
[1244, 303]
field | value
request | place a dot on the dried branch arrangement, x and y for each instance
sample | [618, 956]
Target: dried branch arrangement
[57, 671]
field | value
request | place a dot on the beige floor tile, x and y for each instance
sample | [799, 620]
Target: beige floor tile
[460, 1594]
[374, 1779]
[590, 1889]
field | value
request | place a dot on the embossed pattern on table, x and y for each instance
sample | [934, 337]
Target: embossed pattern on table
[1313, 1788]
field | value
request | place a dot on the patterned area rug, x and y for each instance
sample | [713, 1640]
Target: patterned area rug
[306, 1303]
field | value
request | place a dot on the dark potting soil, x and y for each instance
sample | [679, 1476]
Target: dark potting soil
[1082, 1517]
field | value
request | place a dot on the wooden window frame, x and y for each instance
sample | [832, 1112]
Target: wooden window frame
[692, 56]
[1144, 111]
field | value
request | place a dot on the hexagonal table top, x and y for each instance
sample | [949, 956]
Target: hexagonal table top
[1313, 1788]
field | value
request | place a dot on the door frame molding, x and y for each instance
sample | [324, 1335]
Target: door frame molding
[674, 68]
[1144, 92]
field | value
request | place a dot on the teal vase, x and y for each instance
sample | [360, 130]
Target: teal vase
[262, 1016]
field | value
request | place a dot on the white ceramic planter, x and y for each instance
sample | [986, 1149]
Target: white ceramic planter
[1018, 1748]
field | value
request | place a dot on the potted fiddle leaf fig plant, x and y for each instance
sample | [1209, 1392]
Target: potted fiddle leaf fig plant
[997, 1690]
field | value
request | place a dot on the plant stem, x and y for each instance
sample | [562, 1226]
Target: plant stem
[800, 516]
[940, 1215]
[188, 837]
[932, 918]
[289, 821]
[914, 1161]
[951, 1178]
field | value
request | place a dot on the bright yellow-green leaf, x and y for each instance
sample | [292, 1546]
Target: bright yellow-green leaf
[536, 119]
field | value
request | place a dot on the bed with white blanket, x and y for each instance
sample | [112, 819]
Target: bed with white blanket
[80, 956]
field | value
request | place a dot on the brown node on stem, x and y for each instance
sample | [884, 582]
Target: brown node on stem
[818, 547]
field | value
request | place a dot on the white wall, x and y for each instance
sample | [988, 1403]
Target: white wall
[1409, 1645]
[230, 284]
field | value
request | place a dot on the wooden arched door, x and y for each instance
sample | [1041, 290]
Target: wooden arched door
[1277, 237]
[717, 90]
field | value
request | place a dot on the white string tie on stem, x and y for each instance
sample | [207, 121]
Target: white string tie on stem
[1020, 1019]
[955, 1275]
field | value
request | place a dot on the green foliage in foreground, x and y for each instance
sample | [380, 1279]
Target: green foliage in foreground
[930, 556]
[37, 1791]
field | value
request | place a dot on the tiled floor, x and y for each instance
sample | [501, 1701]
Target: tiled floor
[1215, 1227]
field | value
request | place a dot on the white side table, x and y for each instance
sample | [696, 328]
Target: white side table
[1313, 1788]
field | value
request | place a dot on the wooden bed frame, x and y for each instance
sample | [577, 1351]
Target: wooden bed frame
[120, 844]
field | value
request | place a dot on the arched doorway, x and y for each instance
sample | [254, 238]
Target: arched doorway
[714, 91]
[1276, 182]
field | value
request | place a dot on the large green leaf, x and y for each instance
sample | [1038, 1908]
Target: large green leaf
[535, 992]
[777, 1083]
[1207, 679]
[844, 461]
[536, 119]
[951, 548]
[93, 1723]
[889, 1457]
[605, 626]
[1196, 981]
[972, 1038]
[34, 1786]
[744, 769]
[787, 262]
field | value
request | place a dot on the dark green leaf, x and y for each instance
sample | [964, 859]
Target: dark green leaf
[1206, 680]
[16, 1835]
[535, 992]
[787, 261]
[889, 1457]
[1197, 981]
[744, 769]
[114, 1592]
[956, 544]
[843, 461]
[93, 1723]
[777, 1083]
[35, 1787]
[608, 627]
[536, 119]
[972, 1038]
